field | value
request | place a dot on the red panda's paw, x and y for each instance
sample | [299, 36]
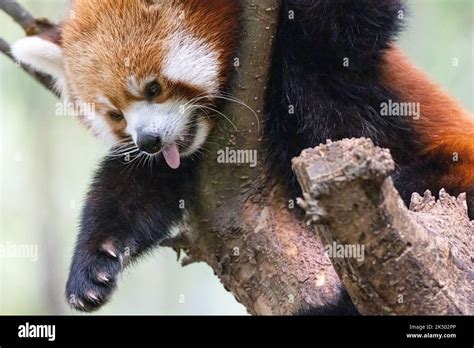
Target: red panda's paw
[93, 276]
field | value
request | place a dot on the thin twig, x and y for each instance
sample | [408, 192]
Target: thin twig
[18, 13]
[5, 49]
[43, 79]
[31, 25]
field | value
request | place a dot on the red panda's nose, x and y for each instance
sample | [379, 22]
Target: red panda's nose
[149, 143]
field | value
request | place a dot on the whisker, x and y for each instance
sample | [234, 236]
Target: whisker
[130, 152]
[235, 100]
[222, 96]
[216, 111]
[130, 164]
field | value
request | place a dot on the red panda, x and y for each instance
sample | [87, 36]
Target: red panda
[335, 100]
[133, 60]
[146, 64]
[445, 129]
[154, 72]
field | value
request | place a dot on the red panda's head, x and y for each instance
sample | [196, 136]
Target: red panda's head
[146, 67]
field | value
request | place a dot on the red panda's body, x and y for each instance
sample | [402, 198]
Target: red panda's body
[153, 68]
[337, 64]
[445, 128]
[153, 72]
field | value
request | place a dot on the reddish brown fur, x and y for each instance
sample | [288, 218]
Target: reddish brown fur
[444, 126]
[101, 36]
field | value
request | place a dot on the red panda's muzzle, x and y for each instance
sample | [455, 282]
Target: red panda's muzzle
[152, 145]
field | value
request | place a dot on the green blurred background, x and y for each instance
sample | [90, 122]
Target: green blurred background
[47, 162]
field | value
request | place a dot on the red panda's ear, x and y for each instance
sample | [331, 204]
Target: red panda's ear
[42, 52]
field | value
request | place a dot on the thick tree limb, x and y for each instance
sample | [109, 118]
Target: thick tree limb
[273, 263]
[244, 230]
[415, 262]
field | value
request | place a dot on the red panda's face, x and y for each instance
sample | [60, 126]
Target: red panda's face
[149, 68]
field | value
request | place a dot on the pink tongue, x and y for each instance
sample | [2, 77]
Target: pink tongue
[171, 155]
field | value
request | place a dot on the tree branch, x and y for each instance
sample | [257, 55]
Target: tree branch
[413, 262]
[247, 231]
[45, 80]
[31, 26]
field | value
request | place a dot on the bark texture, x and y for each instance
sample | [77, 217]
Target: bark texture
[269, 258]
[415, 261]
[245, 230]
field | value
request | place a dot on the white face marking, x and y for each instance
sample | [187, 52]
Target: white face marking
[169, 120]
[135, 86]
[105, 101]
[132, 86]
[192, 61]
[202, 132]
[99, 126]
[101, 129]
[166, 119]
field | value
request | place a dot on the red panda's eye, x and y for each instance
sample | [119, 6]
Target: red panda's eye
[152, 90]
[114, 115]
